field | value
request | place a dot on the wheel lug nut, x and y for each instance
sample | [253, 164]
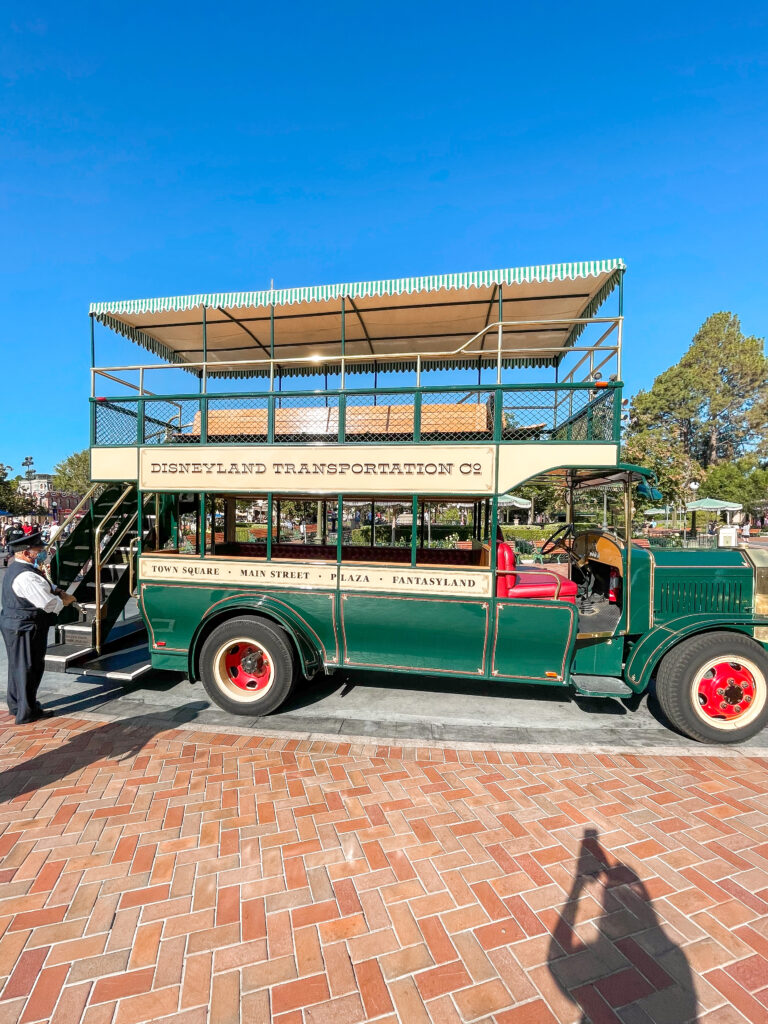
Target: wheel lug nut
[723, 706]
[747, 699]
[730, 682]
[720, 691]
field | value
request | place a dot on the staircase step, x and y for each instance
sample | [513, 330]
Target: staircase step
[122, 666]
[59, 656]
[600, 686]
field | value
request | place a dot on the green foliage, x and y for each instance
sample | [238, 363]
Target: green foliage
[743, 481]
[705, 419]
[544, 498]
[13, 502]
[73, 474]
[713, 404]
[673, 466]
[528, 533]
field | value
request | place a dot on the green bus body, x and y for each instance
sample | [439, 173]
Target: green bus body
[672, 595]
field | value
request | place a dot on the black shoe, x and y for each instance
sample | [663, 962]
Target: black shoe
[41, 712]
[26, 721]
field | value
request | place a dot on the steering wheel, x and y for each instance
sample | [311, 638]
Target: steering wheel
[555, 540]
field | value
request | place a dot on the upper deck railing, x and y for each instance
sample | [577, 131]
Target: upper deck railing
[570, 410]
[503, 413]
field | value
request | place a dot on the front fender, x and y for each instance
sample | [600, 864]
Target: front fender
[307, 643]
[651, 648]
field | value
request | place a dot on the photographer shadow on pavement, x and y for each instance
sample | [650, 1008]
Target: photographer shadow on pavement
[609, 954]
[114, 741]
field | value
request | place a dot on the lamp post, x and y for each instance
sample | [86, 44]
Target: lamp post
[28, 462]
[693, 486]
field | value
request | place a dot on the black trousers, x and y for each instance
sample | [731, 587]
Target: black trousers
[25, 642]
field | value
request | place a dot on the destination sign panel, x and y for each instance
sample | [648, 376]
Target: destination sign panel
[288, 573]
[358, 469]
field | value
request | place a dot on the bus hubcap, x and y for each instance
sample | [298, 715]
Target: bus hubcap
[727, 690]
[247, 667]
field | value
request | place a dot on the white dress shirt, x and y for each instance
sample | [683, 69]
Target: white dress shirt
[35, 588]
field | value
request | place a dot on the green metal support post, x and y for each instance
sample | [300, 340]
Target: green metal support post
[202, 509]
[269, 526]
[271, 398]
[501, 334]
[617, 416]
[498, 394]
[339, 531]
[204, 385]
[140, 421]
[414, 535]
[342, 428]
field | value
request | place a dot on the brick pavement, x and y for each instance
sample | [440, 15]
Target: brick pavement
[188, 876]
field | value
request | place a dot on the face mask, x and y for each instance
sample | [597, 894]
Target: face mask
[42, 557]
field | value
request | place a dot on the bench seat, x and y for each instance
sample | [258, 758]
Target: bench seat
[472, 419]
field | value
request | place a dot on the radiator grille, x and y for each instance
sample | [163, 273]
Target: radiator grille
[686, 596]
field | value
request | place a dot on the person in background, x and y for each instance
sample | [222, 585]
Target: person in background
[13, 533]
[745, 530]
[30, 607]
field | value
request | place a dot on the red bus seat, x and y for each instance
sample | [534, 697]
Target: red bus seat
[525, 583]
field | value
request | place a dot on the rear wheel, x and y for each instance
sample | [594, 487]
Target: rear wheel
[248, 666]
[714, 687]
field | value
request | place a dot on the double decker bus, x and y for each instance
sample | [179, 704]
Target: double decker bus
[299, 480]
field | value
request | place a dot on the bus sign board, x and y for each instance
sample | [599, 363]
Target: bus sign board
[364, 469]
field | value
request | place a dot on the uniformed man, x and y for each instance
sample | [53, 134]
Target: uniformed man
[30, 607]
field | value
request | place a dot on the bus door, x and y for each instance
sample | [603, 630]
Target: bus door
[535, 622]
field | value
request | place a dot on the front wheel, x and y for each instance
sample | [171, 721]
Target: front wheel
[248, 666]
[714, 687]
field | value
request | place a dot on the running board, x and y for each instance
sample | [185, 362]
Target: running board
[600, 686]
[68, 656]
[59, 657]
[120, 666]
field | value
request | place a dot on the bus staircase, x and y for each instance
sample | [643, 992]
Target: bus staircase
[96, 563]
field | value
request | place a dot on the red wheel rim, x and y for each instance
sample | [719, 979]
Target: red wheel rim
[247, 667]
[726, 690]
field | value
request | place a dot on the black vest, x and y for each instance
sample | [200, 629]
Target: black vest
[17, 610]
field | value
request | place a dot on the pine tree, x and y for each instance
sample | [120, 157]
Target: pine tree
[713, 403]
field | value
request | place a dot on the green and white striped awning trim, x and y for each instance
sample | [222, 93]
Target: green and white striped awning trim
[361, 289]
[387, 323]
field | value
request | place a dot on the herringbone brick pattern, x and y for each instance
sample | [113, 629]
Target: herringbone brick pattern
[183, 876]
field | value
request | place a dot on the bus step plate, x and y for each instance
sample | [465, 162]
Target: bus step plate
[59, 657]
[122, 666]
[600, 686]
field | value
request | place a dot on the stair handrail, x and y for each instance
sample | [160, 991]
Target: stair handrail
[97, 558]
[73, 512]
[60, 537]
[132, 574]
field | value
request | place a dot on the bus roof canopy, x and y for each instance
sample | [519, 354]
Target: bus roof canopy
[386, 323]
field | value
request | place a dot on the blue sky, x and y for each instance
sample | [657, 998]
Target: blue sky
[171, 148]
